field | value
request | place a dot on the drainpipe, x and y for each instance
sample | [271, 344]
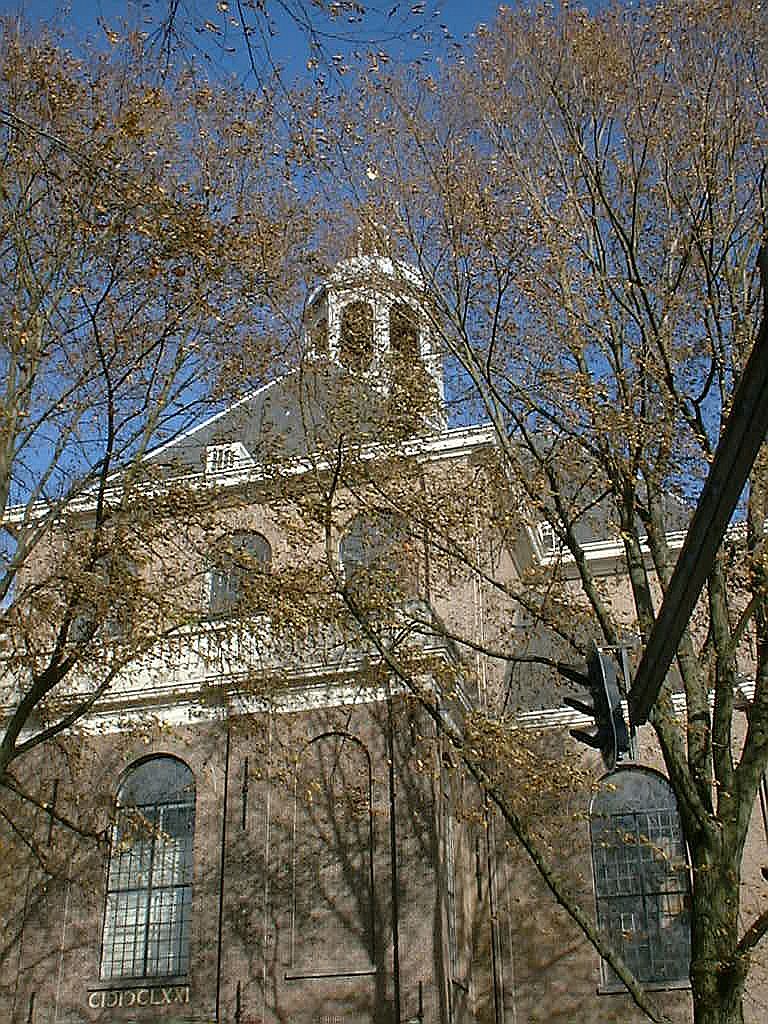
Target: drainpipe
[221, 873]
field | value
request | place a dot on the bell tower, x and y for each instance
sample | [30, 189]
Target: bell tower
[372, 319]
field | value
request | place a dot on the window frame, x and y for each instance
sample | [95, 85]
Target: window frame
[224, 581]
[150, 878]
[361, 546]
[370, 540]
[623, 798]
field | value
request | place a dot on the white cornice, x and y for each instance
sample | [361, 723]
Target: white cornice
[452, 443]
[605, 556]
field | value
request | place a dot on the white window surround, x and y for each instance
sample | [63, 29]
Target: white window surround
[227, 458]
[547, 537]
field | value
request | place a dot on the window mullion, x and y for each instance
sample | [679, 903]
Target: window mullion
[150, 873]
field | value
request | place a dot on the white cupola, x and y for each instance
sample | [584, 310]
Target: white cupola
[371, 318]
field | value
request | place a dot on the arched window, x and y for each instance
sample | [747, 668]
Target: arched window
[641, 875]
[378, 550]
[411, 387]
[404, 334]
[356, 340]
[369, 541]
[235, 559]
[149, 883]
[332, 927]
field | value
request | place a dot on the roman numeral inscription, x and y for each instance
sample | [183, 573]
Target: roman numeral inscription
[110, 999]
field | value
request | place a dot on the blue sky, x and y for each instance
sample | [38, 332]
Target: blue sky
[400, 29]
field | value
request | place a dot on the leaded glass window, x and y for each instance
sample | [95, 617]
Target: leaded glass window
[149, 882]
[641, 876]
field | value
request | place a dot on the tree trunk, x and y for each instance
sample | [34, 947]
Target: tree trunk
[718, 972]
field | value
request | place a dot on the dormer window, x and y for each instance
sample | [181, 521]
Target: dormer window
[356, 338]
[547, 538]
[226, 458]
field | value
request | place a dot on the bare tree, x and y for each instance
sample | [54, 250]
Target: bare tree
[145, 236]
[584, 199]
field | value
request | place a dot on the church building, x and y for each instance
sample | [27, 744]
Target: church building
[282, 830]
